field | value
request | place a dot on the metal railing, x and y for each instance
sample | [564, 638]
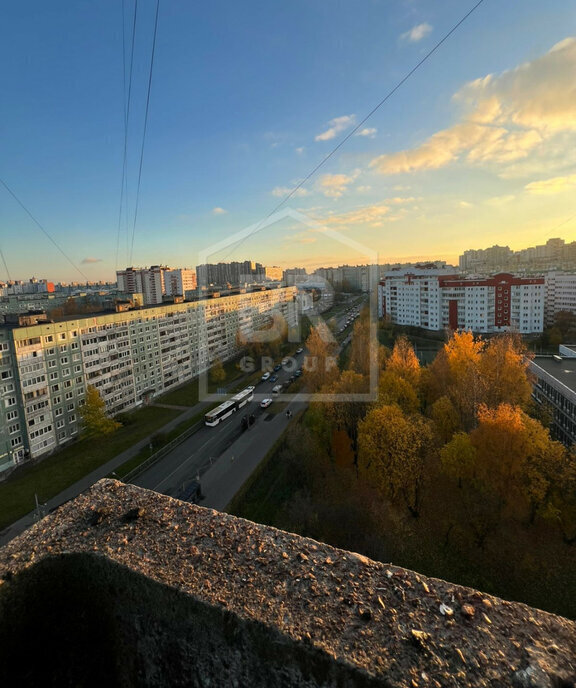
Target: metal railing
[162, 452]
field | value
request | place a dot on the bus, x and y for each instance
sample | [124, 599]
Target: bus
[227, 408]
[243, 397]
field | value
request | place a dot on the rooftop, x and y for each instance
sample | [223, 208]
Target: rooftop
[563, 370]
[123, 586]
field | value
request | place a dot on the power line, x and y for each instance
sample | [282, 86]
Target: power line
[5, 265]
[145, 127]
[564, 222]
[360, 124]
[127, 100]
[44, 231]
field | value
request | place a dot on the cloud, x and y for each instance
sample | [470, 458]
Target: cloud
[507, 118]
[368, 131]
[301, 150]
[282, 191]
[417, 33]
[372, 216]
[334, 185]
[552, 186]
[219, 211]
[337, 125]
[499, 201]
[89, 260]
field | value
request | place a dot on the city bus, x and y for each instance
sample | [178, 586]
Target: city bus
[227, 408]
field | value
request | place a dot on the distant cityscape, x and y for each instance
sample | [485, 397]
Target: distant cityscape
[160, 326]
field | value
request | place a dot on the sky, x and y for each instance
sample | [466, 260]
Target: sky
[476, 147]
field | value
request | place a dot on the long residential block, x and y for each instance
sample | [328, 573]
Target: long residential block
[128, 356]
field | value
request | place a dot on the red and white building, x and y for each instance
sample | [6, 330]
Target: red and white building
[434, 299]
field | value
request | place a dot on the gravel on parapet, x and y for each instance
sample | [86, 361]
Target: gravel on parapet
[405, 628]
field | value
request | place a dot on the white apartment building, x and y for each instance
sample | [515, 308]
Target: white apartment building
[432, 299]
[128, 356]
[147, 281]
[560, 294]
[178, 281]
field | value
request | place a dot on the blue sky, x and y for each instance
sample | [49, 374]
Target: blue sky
[476, 148]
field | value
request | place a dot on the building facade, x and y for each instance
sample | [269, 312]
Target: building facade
[555, 386]
[432, 299]
[128, 356]
[560, 295]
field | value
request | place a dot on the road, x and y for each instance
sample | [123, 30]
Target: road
[224, 456]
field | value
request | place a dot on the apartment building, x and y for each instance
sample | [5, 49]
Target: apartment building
[146, 281]
[555, 386]
[178, 281]
[128, 356]
[431, 298]
[560, 295]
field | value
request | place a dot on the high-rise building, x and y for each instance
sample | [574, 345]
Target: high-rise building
[178, 281]
[235, 274]
[560, 295]
[147, 281]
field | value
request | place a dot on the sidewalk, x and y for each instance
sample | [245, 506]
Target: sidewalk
[102, 471]
[226, 477]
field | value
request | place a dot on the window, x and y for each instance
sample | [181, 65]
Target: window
[6, 374]
[16, 441]
[64, 360]
[69, 395]
[49, 338]
[56, 400]
[60, 423]
[70, 407]
[58, 412]
[11, 401]
[52, 363]
[13, 428]
[54, 376]
[62, 335]
[11, 415]
[68, 383]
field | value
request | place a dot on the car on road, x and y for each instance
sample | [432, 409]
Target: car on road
[277, 367]
[265, 377]
[285, 361]
[265, 403]
[298, 372]
[273, 378]
[299, 350]
[277, 389]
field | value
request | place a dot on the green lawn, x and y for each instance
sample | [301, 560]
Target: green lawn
[55, 473]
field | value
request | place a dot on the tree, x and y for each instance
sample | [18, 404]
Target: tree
[445, 418]
[455, 373]
[503, 367]
[217, 372]
[404, 362]
[321, 364]
[392, 453]
[93, 413]
[394, 389]
[346, 412]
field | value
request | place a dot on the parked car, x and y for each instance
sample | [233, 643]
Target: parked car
[299, 350]
[277, 367]
[285, 361]
[298, 372]
[265, 377]
[277, 389]
[273, 378]
[265, 403]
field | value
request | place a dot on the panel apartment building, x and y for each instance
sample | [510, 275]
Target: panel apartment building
[433, 299]
[156, 282]
[128, 356]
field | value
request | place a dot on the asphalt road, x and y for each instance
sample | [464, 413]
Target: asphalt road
[224, 456]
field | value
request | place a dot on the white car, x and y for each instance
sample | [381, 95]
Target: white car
[265, 403]
[277, 389]
[265, 377]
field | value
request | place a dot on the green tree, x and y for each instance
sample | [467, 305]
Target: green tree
[217, 372]
[95, 422]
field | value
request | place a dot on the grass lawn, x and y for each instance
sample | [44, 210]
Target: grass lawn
[55, 473]
[265, 491]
